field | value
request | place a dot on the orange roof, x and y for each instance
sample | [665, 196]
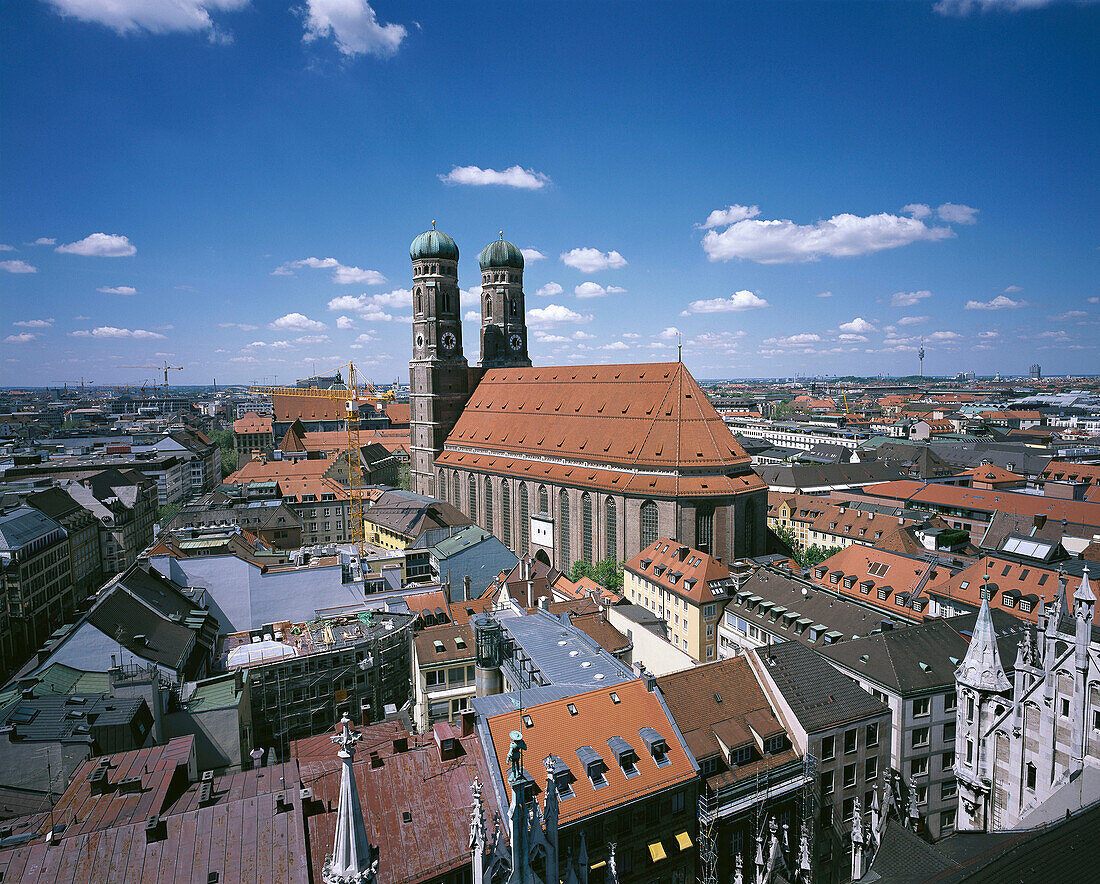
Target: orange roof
[637, 416]
[872, 572]
[583, 589]
[857, 525]
[679, 569]
[982, 501]
[253, 423]
[1009, 581]
[555, 730]
[277, 470]
[992, 473]
[398, 412]
[288, 406]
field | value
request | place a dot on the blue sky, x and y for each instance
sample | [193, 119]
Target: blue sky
[812, 188]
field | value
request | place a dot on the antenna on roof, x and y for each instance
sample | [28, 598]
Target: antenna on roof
[433, 223]
[679, 347]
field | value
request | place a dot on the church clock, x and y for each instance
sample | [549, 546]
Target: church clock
[515, 342]
[449, 341]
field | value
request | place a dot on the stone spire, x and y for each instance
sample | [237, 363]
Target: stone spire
[857, 840]
[981, 667]
[351, 861]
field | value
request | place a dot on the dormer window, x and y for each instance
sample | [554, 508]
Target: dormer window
[849, 581]
[740, 755]
[563, 778]
[594, 767]
[656, 745]
[625, 756]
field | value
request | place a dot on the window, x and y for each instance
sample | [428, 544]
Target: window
[454, 488]
[740, 755]
[949, 732]
[872, 732]
[918, 767]
[564, 530]
[947, 822]
[947, 760]
[921, 706]
[471, 489]
[828, 747]
[586, 527]
[849, 775]
[648, 523]
[850, 741]
[826, 782]
[611, 530]
[969, 751]
[704, 527]
[920, 737]
[950, 701]
[524, 521]
[488, 498]
[949, 790]
[848, 809]
[1065, 707]
[969, 708]
[870, 769]
[506, 513]
[922, 794]
[1031, 776]
[544, 500]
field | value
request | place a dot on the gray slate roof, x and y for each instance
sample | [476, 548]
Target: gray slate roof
[820, 696]
[23, 526]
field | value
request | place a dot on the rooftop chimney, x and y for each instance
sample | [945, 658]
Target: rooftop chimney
[544, 603]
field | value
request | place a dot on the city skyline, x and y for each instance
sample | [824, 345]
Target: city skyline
[795, 189]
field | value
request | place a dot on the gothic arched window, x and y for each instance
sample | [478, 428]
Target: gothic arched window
[441, 486]
[544, 500]
[611, 529]
[586, 527]
[704, 527]
[563, 530]
[648, 523]
[524, 521]
[750, 528]
[506, 513]
[456, 500]
[488, 504]
[488, 306]
[471, 488]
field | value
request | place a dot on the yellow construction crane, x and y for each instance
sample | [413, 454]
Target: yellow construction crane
[165, 368]
[351, 396]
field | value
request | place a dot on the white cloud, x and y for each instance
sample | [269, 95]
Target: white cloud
[243, 326]
[516, 176]
[110, 331]
[595, 290]
[956, 213]
[965, 7]
[1012, 289]
[857, 326]
[669, 334]
[17, 267]
[729, 215]
[735, 303]
[583, 336]
[824, 294]
[296, 322]
[588, 260]
[131, 16]
[913, 320]
[4, 247]
[548, 290]
[631, 336]
[342, 274]
[466, 297]
[34, 323]
[804, 339]
[944, 336]
[100, 245]
[532, 255]
[546, 338]
[853, 338]
[616, 345]
[1061, 317]
[842, 236]
[345, 322]
[909, 299]
[989, 334]
[1094, 300]
[353, 27]
[117, 290]
[998, 303]
[44, 241]
[471, 316]
[312, 339]
[554, 313]
[919, 211]
[21, 338]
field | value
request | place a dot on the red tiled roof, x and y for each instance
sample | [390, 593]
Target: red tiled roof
[1007, 580]
[253, 423]
[1066, 471]
[992, 473]
[287, 407]
[398, 412]
[684, 571]
[556, 731]
[899, 575]
[637, 416]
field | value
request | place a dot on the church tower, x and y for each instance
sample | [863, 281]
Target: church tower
[439, 382]
[503, 316]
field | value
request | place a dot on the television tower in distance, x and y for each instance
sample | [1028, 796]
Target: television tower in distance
[920, 356]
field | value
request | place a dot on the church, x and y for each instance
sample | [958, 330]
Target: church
[565, 463]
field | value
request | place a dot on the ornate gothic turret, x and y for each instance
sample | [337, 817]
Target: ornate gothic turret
[352, 860]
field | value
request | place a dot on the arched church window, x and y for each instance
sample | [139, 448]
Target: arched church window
[563, 530]
[506, 513]
[515, 306]
[524, 521]
[704, 527]
[488, 306]
[544, 500]
[648, 523]
[441, 486]
[488, 498]
[611, 528]
[750, 528]
[454, 486]
[471, 488]
[586, 527]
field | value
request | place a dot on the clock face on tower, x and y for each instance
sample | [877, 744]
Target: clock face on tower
[449, 341]
[419, 342]
[515, 342]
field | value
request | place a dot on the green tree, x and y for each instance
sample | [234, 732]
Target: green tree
[224, 440]
[816, 554]
[608, 573]
[165, 515]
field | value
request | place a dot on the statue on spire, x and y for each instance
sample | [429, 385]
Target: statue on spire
[352, 859]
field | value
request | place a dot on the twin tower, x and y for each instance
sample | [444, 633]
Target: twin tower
[441, 381]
